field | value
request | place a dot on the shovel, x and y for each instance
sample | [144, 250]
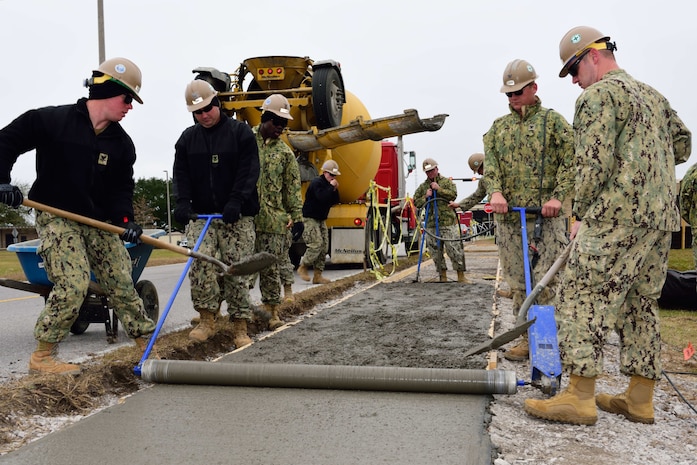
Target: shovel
[522, 323]
[248, 265]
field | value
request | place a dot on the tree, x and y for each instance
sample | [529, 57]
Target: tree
[150, 203]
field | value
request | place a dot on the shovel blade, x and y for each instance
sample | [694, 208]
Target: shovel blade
[501, 339]
[252, 264]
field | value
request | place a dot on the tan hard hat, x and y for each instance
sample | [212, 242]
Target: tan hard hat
[332, 167]
[576, 41]
[122, 71]
[475, 161]
[518, 74]
[429, 164]
[278, 105]
[198, 94]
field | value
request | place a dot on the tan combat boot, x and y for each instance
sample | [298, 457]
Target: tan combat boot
[443, 276]
[42, 361]
[636, 403]
[275, 321]
[520, 352]
[142, 343]
[205, 328]
[574, 405]
[197, 319]
[461, 278]
[239, 333]
[302, 272]
[319, 279]
[288, 293]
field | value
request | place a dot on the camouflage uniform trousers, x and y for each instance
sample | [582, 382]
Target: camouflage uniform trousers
[549, 247]
[452, 245]
[71, 251]
[230, 244]
[612, 281]
[316, 237]
[269, 277]
[285, 267]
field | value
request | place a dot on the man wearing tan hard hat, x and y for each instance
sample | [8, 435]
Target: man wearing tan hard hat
[628, 140]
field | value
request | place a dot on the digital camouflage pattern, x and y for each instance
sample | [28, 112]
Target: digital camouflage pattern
[475, 197]
[229, 243]
[280, 199]
[628, 140]
[612, 280]
[446, 193]
[71, 251]
[448, 224]
[278, 186]
[285, 266]
[269, 277]
[688, 204]
[626, 150]
[547, 248]
[513, 149]
[316, 236]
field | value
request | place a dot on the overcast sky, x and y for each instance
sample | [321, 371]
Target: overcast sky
[437, 56]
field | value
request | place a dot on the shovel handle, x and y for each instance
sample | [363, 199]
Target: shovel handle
[119, 230]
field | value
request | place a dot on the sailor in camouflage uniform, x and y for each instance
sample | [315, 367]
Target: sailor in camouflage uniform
[627, 142]
[528, 158]
[279, 198]
[435, 193]
[476, 162]
[216, 167]
[688, 205]
[84, 162]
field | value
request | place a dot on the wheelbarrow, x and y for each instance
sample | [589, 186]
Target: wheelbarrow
[95, 308]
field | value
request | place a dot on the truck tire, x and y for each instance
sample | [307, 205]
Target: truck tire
[327, 97]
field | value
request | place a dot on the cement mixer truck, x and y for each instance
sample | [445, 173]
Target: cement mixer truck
[329, 122]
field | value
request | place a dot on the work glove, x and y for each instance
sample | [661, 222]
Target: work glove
[183, 212]
[297, 230]
[231, 213]
[11, 195]
[132, 232]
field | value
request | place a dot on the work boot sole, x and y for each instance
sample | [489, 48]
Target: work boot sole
[561, 417]
[516, 357]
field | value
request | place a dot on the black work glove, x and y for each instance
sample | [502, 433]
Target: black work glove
[183, 212]
[132, 232]
[297, 230]
[231, 213]
[11, 195]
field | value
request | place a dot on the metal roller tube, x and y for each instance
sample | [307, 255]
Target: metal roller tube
[396, 379]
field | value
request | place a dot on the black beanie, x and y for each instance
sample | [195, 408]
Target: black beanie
[107, 89]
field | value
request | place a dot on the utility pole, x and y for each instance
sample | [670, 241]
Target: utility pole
[100, 29]
[169, 210]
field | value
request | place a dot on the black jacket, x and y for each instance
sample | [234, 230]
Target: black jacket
[217, 165]
[76, 170]
[319, 198]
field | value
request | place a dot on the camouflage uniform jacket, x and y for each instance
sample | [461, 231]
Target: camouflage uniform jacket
[513, 149]
[475, 197]
[278, 186]
[446, 193]
[688, 197]
[627, 142]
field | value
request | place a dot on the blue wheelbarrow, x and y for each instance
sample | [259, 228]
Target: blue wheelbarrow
[95, 308]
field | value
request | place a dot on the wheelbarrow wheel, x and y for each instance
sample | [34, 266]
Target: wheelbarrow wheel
[79, 327]
[147, 292]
